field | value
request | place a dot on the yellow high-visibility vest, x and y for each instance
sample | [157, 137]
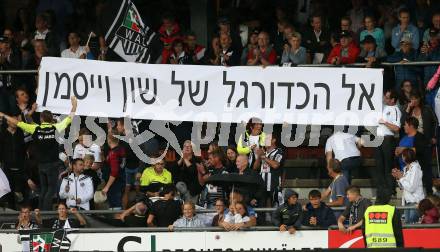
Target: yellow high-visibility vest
[244, 149]
[379, 231]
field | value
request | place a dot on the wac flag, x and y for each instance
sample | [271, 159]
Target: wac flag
[45, 241]
[128, 36]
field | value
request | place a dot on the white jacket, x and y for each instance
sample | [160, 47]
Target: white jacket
[79, 187]
[411, 184]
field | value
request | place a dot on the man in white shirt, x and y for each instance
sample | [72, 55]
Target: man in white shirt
[344, 147]
[77, 188]
[75, 51]
[86, 146]
[389, 126]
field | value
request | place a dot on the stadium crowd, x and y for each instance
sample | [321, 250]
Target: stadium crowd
[168, 193]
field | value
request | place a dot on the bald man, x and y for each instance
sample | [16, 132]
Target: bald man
[242, 163]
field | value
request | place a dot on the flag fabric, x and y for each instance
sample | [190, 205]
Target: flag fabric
[128, 36]
[4, 184]
[36, 240]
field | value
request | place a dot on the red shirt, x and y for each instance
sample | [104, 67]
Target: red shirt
[116, 160]
[353, 52]
[269, 54]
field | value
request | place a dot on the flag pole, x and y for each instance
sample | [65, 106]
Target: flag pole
[88, 40]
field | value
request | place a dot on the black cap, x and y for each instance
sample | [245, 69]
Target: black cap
[369, 39]
[345, 33]
[223, 20]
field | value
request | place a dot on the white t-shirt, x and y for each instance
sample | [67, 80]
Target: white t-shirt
[80, 151]
[390, 114]
[254, 140]
[437, 105]
[67, 53]
[343, 145]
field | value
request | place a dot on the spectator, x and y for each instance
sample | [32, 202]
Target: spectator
[25, 221]
[404, 30]
[237, 214]
[428, 211]
[178, 55]
[189, 218]
[77, 188]
[153, 178]
[63, 221]
[40, 50]
[294, 53]
[195, 52]
[346, 26]
[370, 53]
[9, 60]
[12, 153]
[289, 216]
[231, 155]
[216, 167]
[44, 33]
[427, 125]
[166, 210]
[410, 181]
[220, 207]
[254, 194]
[354, 212]
[186, 172]
[372, 30]
[251, 46]
[252, 139]
[234, 198]
[316, 40]
[47, 150]
[279, 40]
[264, 55]
[268, 165]
[138, 218]
[86, 146]
[228, 56]
[225, 27]
[406, 54]
[75, 51]
[356, 15]
[214, 52]
[430, 51]
[132, 163]
[26, 110]
[435, 26]
[317, 213]
[406, 88]
[112, 172]
[169, 30]
[336, 190]
[344, 147]
[344, 53]
[389, 126]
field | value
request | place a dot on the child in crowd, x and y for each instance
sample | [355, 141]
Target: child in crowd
[237, 213]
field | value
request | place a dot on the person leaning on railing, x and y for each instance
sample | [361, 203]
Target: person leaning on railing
[47, 149]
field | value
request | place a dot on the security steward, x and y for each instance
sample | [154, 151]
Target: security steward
[382, 226]
[77, 188]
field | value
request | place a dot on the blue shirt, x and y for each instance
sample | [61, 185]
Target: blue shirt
[397, 34]
[407, 142]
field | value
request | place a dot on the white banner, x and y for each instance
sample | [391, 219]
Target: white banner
[185, 241]
[307, 95]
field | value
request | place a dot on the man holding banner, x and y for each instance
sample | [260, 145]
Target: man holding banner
[44, 136]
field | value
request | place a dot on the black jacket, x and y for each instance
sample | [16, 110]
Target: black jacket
[324, 214]
[429, 121]
[289, 215]
[12, 149]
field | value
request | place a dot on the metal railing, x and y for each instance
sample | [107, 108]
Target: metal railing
[258, 210]
[210, 229]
